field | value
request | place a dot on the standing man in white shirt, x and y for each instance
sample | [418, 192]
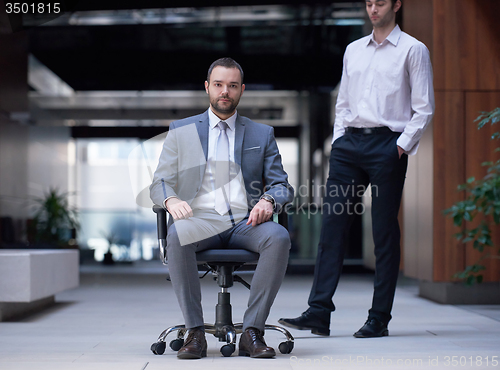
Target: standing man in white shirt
[385, 102]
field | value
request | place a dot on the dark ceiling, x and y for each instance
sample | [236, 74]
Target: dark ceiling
[153, 57]
[303, 52]
[153, 4]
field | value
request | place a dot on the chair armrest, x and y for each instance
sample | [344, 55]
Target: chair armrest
[161, 226]
[283, 215]
[161, 221]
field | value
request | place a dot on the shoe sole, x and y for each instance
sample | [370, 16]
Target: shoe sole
[317, 331]
[191, 356]
[262, 355]
[385, 333]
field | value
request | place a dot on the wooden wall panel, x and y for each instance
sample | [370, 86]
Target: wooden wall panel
[465, 51]
[449, 170]
[455, 44]
[466, 45]
[488, 44]
[480, 148]
[417, 21]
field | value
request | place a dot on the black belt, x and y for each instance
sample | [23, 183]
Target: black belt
[368, 130]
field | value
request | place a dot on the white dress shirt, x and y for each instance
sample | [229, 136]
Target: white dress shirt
[236, 187]
[388, 84]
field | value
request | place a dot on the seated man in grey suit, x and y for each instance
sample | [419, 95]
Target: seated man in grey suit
[221, 179]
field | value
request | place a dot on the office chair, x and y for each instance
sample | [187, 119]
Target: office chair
[222, 263]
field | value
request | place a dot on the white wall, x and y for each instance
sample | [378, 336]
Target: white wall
[32, 159]
[13, 169]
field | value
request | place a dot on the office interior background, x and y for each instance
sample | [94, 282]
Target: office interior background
[86, 98]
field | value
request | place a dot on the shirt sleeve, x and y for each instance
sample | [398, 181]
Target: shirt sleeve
[421, 97]
[342, 109]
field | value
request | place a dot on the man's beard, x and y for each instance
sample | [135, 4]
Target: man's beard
[220, 109]
[382, 22]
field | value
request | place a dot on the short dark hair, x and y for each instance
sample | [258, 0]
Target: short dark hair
[399, 14]
[393, 2]
[227, 63]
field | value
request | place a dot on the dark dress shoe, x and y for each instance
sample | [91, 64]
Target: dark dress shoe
[373, 328]
[252, 344]
[195, 345]
[308, 321]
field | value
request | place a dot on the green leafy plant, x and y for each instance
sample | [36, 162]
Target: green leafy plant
[54, 219]
[482, 198]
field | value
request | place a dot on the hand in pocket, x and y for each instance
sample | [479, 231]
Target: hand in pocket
[400, 151]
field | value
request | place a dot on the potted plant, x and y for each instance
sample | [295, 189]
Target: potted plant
[55, 222]
[482, 201]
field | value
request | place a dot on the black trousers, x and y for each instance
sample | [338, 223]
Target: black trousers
[358, 159]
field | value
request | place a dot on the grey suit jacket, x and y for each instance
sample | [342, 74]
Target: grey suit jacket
[183, 161]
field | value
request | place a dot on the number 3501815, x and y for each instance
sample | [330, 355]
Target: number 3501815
[33, 8]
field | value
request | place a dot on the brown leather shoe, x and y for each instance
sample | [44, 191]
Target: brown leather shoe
[195, 345]
[252, 344]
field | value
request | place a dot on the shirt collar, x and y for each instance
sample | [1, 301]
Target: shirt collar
[393, 37]
[213, 120]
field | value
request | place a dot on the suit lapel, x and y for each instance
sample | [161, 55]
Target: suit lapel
[202, 127]
[238, 139]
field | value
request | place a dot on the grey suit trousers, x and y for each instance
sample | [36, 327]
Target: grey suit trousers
[269, 239]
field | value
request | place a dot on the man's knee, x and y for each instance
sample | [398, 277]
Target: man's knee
[280, 238]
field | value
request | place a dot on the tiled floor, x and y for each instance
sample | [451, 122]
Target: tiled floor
[110, 321]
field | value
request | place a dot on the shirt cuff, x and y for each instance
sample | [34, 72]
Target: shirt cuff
[165, 201]
[404, 142]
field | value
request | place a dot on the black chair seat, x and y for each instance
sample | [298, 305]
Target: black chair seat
[227, 255]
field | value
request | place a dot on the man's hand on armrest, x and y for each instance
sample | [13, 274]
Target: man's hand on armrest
[260, 213]
[179, 209]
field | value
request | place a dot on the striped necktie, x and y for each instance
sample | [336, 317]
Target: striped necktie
[222, 170]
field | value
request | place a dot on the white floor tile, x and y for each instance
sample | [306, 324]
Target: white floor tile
[111, 320]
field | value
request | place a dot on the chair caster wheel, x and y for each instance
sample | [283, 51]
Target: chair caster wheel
[227, 350]
[286, 347]
[158, 348]
[177, 344]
